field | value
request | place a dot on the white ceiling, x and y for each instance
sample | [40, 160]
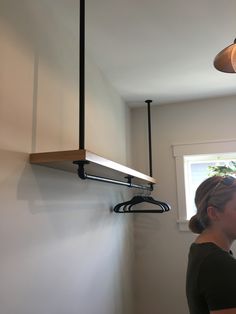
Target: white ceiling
[161, 49]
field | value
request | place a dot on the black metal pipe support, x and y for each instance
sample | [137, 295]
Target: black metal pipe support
[82, 76]
[83, 175]
[148, 101]
[81, 172]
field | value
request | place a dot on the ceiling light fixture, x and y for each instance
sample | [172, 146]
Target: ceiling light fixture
[225, 61]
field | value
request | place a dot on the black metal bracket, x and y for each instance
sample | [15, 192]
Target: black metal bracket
[81, 172]
[83, 175]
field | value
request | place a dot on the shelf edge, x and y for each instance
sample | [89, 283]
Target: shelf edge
[118, 167]
[47, 158]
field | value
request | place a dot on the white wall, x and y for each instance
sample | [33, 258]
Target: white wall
[107, 113]
[62, 249]
[160, 248]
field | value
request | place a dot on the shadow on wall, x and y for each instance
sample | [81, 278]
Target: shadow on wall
[59, 193]
[61, 245]
[56, 193]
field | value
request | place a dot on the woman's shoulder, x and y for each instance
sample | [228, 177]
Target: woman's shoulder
[209, 252]
[206, 248]
[213, 258]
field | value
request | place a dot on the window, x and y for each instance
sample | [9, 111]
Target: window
[192, 162]
[196, 170]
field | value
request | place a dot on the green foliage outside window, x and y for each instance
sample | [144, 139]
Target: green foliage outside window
[223, 170]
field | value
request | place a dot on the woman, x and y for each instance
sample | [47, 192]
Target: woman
[211, 274]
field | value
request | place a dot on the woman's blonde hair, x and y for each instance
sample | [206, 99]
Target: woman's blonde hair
[215, 191]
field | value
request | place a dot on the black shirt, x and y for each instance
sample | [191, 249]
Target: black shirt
[211, 279]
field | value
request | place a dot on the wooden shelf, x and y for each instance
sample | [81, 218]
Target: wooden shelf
[64, 160]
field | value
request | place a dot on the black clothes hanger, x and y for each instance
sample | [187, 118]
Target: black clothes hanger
[127, 207]
[145, 199]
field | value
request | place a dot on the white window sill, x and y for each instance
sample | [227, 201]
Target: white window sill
[183, 225]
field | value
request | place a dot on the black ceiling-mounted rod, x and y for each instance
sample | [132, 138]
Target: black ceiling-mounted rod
[127, 207]
[148, 102]
[81, 171]
[82, 76]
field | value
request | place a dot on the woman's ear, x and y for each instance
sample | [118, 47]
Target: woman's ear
[212, 213]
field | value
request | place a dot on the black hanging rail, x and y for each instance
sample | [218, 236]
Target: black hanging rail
[83, 175]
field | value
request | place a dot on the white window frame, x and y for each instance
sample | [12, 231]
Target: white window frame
[181, 150]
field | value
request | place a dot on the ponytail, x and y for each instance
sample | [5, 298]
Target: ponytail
[195, 225]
